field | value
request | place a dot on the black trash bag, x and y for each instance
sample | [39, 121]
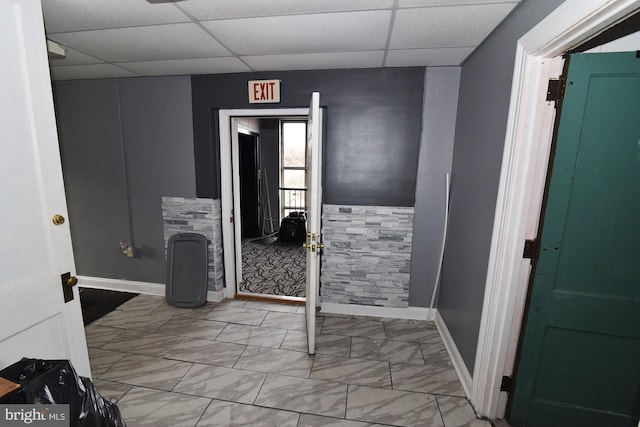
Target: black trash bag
[49, 382]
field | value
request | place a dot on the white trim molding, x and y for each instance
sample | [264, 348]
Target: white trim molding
[454, 354]
[413, 313]
[530, 124]
[147, 288]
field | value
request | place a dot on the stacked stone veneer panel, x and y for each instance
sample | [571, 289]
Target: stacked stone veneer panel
[202, 216]
[367, 255]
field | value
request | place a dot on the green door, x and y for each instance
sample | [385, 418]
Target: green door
[580, 356]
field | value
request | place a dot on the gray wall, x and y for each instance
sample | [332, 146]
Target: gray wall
[91, 147]
[148, 123]
[438, 127]
[372, 128]
[483, 106]
[270, 156]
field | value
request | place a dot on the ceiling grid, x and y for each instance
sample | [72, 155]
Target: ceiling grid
[117, 38]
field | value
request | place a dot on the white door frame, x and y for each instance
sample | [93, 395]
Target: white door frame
[524, 164]
[228, 187]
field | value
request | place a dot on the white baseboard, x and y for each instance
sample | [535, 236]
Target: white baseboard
[146, 288]
[456, 358]
[415, 313]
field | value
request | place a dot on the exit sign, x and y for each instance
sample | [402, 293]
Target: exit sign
[264, 91]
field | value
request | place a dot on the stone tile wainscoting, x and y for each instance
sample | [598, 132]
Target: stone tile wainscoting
[202, 216]
[367, 255]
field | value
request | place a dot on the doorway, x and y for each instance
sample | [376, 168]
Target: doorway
[273, 207]
[230, 194]
[249, 150]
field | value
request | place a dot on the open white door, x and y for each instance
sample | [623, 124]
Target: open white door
[34, 319]
[314, 203]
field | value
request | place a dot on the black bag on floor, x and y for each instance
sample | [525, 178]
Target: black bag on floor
[47, 382]
[293, 228]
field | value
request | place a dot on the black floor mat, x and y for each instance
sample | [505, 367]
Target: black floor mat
[96, 303]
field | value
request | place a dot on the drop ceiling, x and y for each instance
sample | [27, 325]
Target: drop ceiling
[119, 38]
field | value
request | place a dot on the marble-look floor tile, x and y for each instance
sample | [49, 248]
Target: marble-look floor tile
[110, 390]
[398, 408]
[351, 370]
[392, 351]
[434, 351]
[145, 407]
[307, 420]
[97, 336]
[337, 345]
[192, 328]
[223, 414]
[223, 383]
[101, 360]
[142, 302]
[410, 333]
[289, 321]
[240, 315]
[187, 312]
[388, 320]
[429, 324]
[273, 306]
[285, 362]
[206, 352]
[147, 371]
[252, 335]
[146, 343]
[426, 379]
[303, 395]
[353, 327]
[137, 320]
[226, 303]
[457, 412]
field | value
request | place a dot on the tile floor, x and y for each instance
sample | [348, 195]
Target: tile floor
[244, 363]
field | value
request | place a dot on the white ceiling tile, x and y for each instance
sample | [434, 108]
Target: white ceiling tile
[91, 71]
[160, 42]
[454, 26]
[303, 33]
[77, 15]
[427, 57]
[187, 66]
[73, 57]
[426, 3]
[316, 61]
[208, 10]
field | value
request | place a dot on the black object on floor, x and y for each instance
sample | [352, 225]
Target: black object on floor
[96, 303]
[51, 382]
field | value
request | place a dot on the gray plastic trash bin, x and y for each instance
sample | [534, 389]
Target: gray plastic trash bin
[187, 270]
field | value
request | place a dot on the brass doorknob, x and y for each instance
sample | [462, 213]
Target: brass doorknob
[320, 245]
[58, 219]
[72, 281]
[305, 246]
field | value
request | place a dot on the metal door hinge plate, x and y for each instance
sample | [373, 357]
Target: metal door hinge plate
[530, 249]
[507, 384]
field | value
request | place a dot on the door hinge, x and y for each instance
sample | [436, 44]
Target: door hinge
[507, 384]
[530, 249]
[554, 90]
